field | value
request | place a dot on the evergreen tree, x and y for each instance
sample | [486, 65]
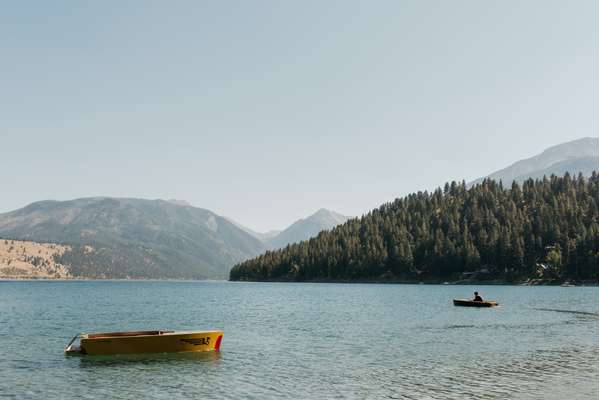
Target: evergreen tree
[506, 230]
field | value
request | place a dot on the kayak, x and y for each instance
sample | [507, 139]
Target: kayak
[471, 303]
[108, 343]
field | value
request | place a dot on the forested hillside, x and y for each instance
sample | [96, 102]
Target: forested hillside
[545, 228]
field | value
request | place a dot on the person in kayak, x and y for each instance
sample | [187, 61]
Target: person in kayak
[477, 297]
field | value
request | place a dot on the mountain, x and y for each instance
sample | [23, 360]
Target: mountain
[578, 156]
[306, 228]
[302, 229]
[261, 236]
[133, 238]
[545, 229]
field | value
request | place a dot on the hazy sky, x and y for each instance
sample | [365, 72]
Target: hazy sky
[265, 111]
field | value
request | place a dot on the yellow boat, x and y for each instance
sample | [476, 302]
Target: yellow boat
[107, 343]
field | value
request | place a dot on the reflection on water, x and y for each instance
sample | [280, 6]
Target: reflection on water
[162, 359]
[594, 314]
[304, 341]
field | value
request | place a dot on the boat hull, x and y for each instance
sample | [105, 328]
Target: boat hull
[153, 342]
[470, 303]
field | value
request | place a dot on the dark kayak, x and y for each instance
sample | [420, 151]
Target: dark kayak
[470, 303]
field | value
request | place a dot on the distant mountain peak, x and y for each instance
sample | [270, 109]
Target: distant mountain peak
[579, 144]
[308, 227]
[302, 229]
[323, 211]
[178, 202]
[576, 156]
[328, 215]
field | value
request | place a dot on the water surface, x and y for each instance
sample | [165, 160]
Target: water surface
[285, 340]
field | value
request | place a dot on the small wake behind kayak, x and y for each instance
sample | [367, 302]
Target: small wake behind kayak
[471, 303]
[108, 343]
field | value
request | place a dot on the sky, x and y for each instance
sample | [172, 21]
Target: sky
[266, 111]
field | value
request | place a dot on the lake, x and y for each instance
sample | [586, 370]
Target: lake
[286, 340]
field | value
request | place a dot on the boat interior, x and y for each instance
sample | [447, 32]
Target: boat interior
[121, 334]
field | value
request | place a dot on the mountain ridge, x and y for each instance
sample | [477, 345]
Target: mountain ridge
[307, 227]
[302, 229]
[262, 236]
[580, 155]
[123, 237]
[131, 237]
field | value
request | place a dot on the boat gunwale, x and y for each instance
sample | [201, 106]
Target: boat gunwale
[141, 334]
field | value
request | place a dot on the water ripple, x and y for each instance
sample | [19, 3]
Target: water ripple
[287, 341]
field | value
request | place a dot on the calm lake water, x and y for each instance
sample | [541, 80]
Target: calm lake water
[298, 341]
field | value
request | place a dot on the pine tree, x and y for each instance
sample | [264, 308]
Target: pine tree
[553, 221]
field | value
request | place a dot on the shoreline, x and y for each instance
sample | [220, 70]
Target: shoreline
[7, 279]
[462, 282]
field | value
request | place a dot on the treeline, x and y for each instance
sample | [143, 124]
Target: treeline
[543, 228]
